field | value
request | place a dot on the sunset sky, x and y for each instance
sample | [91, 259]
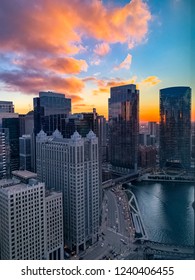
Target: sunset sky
[83, 47]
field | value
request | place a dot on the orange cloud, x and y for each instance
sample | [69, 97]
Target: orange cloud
[102, 49]
[105, 85]
[126, 63]
[58, 26]
[150, 81]
[66, 65]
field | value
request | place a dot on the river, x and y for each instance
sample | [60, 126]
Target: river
[167, 211]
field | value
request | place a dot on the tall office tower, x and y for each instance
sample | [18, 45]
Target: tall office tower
[4, 153]
[153, 134]
[53, 122]
[124, 127]
[49, 103]
[22, 232]
[14, 129]
[27, 221]
[152, 128]
[26, 123]
[6, 107]
[101, 133]
[22, 124]
[25, 152]
[193, 141]
[29, 123]
[175, 126]
[147, 156]
[54, 222]
[71, 165]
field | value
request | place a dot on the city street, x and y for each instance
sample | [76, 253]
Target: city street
[116, 234]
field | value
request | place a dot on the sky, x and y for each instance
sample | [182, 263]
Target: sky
[83, 47]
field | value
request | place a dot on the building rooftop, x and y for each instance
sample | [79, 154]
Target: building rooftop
[25, 174]
[15, 188]
[8, 182]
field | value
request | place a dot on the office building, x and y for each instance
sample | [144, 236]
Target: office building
[4, 153]
[175, 127]
[27, 221]
[25, 152]
[14, 129]
[54, 225]
[29, 123]
[71, 165]
[193, 141]
[6, 107]
[124, 127]
[49, 103]
[23, 175]
[147, 156]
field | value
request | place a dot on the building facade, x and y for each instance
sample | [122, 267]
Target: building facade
[175, 126]
[124, 127]
[27, 221]
[147, 156]
[25, 152]
[4, 153]
[54, 225]
[49, 103]
[71, 165]
[14, 130]
[6, 107]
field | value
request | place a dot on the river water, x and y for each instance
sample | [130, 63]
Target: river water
[166, 210]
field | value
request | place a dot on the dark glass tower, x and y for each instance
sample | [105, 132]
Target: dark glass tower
[49, 103]
[14, 131]
[124, 127]
[175, 126]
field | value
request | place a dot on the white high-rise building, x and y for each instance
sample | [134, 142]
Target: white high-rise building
[27, 221]
[54, 226]
[71, 165]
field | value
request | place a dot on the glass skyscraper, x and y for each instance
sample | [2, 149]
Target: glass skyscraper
[124, 127]
[49, 103]
[14, 129]
[175, 126]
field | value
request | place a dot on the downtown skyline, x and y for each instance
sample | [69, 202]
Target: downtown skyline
[82, 48]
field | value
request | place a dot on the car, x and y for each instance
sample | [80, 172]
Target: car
[175, 249]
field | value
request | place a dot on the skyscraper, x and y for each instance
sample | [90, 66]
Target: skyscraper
[49, 103]
[175, 126]
[25, 152]
[124, 127]
[6, 107]
[4, 153]
[71, 165]
[14, 129]
[31, 221]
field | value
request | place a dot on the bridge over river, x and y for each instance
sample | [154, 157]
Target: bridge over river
[121, 180]
[159, 249]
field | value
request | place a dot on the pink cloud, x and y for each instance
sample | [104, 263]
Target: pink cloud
[126, 63]
[102, 49]
[59, 26]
